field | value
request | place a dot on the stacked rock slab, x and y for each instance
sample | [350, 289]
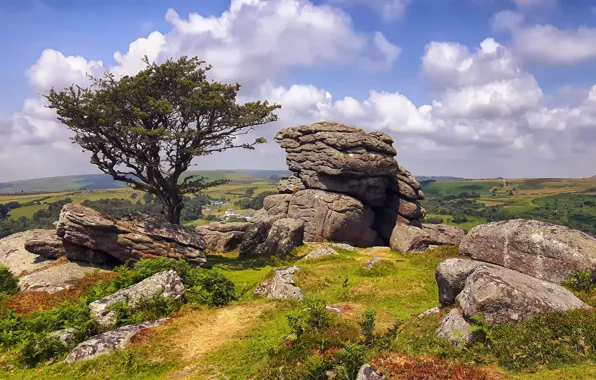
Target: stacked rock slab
[347, 185]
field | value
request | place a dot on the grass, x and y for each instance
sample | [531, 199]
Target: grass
[243, 339]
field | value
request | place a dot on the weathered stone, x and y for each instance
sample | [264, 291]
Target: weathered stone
[331, 217]
[504, 295]
[253, 241]
[434, 310]
[45, 243]
[55, 276]
[319, 252]
[277, 204]
[290, 185]
[451, 275]
[165, 284]
[366, 372]
[79, 253]
[282, 286]
[409, 239]
[370, 264]
[344, 246]
[109, 341]
[540, 249]
[133, 237]
[223, 237]
[405, 238]
[285, 235]
[441, 234]
[65, 335]
[334, 157]
[455, 329]
[16, 258]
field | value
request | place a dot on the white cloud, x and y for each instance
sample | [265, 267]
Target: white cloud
[547, 44]
[524, 4]
[253, 42]
[389, 10]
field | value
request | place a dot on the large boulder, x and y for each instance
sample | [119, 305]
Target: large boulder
[408, 238]
[327, 216]
[45, 243]
[56, 276]
[451, 276]
[132, 237]
[108, 342]
[540, 249]
[16, 258]
[285, 235]
[253, 241]
[504, 295]
[223, 237]
[163, 284]
[334, 157]
[442, 234]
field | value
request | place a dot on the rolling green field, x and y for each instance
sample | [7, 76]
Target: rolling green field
[563, 201]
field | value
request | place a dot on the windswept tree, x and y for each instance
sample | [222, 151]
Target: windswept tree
[146, 129]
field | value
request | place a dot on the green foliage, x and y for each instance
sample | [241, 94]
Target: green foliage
[350, 358]
[153, 308]
[172, 112]
[314, 317]
[380, 268]
[255, 203]
[9, 285]
[434, 220]
[581, 280]
[40, 219]
[28, 335]
[367, 325]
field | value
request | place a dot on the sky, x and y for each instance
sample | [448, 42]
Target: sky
[471, 88]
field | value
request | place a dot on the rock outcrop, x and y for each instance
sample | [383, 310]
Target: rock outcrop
[133, 237]
[451, 276]
[109, 341]
[543, 250]
[285, 235]
[163, 284]
[223, 237]
[35, 272]
[347, 185]
[45, 243]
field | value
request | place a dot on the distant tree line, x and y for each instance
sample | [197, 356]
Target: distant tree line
[43, 219]
[254, 203]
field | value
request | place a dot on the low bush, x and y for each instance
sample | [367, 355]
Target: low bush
[9, 285]
[27, 335]
[581, 281]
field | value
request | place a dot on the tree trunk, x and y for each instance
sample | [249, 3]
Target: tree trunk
[172, 208]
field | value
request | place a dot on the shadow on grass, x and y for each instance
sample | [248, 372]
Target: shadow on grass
[231, 261]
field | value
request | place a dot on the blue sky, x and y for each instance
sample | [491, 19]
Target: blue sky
[428, 87]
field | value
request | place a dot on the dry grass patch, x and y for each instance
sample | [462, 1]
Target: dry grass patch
[27, 302]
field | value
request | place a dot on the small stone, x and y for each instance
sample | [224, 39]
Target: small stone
[370, 264]
[344, 246]
[455, 329]
[320, 252]
[366, 372]
[434, 310]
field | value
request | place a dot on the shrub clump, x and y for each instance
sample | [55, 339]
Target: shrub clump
[9, 285]
[28, 335]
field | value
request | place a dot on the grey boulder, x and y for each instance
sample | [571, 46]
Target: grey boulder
[109, 341]
[504, 295]
[223, 237]
[163, 284]
[441, 234]
[547, 251]
[45, 243]
[282, 286]
[451, 275]
[366, 372]
[285, 235]
[455, 329]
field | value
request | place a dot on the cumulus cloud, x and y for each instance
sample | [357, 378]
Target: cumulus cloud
[547, 44]
[252, 42]
[390, 10]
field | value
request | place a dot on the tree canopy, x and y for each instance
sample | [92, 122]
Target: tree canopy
[146, 129]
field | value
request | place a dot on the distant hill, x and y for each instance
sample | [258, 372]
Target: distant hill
[103, 181]
[439, 178]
